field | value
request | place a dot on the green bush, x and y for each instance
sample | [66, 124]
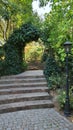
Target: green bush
[33, 52]
[71, 69]
[56, 81]
[14, 48]
[44, 57]
[61, 98]
[51, 71]
[51, 67]
[2, 67]
[34, 56]
[2, 61]
[25, 66]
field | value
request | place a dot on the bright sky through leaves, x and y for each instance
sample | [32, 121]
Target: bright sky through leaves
[41, 10]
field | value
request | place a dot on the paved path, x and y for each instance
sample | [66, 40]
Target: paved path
[36, 119]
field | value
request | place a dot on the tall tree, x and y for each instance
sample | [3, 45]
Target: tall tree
[12, 14]
[59, 23]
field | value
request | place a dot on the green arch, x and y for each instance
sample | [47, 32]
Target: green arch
[15, 45]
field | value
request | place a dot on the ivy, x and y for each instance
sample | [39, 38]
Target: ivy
[15, 45]
[51, 71]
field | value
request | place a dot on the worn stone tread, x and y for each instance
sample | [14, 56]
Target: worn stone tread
[21, 80]
[22, 76]
[24, 97]
[31, 73]
[23, 90]
[25, 105]
[23, 84]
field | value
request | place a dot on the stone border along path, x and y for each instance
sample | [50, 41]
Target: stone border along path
[34, 119]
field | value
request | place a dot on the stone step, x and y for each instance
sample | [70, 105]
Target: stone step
[21, 80]
[26, 74]
[22, 76]
[27, 90]
[25, 105]
[14, 85]
[23, 90]
[24, 97]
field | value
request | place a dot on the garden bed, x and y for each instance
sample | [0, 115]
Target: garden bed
[57, 108]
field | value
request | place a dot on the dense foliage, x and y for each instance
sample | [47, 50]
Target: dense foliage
[51, 71]
[58, 28]
[14, 13]
[61, 99]
[14, 47]
[33, 52]
[1, 60]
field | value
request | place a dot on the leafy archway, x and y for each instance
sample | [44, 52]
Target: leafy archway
[15, 45]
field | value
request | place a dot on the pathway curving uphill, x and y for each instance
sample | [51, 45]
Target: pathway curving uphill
[27, 90]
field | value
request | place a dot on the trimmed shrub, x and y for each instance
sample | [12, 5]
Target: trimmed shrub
[51, 70]
[14, 48]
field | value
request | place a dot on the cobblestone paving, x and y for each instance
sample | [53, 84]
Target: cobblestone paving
[36, 119]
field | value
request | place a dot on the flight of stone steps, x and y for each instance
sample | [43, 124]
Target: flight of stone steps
[24, 91]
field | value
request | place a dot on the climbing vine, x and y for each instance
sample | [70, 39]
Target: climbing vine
[14, 47]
